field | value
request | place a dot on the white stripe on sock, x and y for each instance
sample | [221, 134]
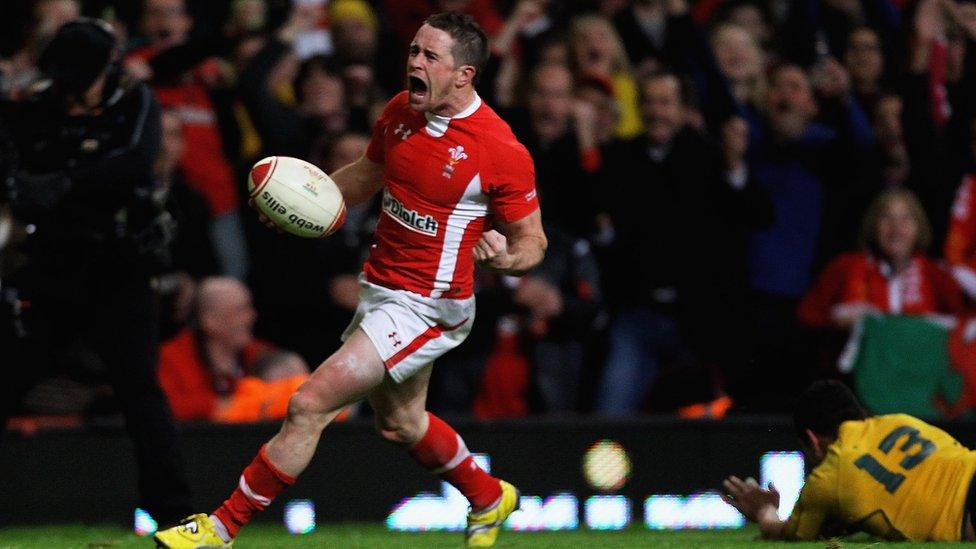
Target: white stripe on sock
[261, 500]
[461, 455]
[220, 529]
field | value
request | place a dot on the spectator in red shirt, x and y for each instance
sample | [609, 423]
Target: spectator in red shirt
[200, 368]
[960, 246]
[890, 275]
[182, 75]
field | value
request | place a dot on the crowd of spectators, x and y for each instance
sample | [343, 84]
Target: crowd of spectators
[729, 187]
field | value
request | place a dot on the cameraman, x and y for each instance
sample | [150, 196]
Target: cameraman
[82, 188]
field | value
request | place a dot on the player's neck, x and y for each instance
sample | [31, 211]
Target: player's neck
[457, 103]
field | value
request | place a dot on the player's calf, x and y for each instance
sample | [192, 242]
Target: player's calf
[402, 427]
[442, 452]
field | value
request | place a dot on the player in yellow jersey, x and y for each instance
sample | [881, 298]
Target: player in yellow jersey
[893, 476]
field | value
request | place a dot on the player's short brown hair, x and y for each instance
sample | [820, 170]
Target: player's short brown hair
[470, 40]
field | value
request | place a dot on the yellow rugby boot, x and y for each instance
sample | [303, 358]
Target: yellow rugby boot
[193, 532]
[484, 525]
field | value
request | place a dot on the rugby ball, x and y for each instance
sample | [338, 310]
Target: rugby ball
[297, 196]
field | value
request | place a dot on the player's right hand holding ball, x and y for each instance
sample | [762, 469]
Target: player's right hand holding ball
[265, 220]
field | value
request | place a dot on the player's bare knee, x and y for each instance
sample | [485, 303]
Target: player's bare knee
[306, 409]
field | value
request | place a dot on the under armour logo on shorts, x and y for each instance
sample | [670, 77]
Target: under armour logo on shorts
[393, 336]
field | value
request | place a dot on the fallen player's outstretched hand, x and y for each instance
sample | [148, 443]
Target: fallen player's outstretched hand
[748, 497]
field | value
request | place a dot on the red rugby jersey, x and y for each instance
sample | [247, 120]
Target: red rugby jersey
[444, 177]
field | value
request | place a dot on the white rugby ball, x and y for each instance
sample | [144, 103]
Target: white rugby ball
[297, 196]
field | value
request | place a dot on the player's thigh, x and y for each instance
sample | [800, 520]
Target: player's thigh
[348, 375]
[401, 407]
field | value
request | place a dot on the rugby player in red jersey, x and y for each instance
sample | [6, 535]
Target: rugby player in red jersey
[450, 170]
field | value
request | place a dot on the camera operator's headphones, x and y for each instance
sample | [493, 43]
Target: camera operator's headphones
[80, 52]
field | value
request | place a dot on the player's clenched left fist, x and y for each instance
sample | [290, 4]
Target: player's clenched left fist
[492, 251]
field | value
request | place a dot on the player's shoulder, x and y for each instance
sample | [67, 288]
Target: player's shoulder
[496, 137]
[896, 420]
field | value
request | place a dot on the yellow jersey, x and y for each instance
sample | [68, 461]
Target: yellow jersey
[893, 476]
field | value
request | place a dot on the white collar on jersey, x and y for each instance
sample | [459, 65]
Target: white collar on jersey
[437, 124]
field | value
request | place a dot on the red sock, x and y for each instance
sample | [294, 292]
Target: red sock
[443, 453]
[260, 483]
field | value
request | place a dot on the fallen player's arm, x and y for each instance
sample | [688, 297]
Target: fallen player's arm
[515, 248]
[758, 505]
[359, 181]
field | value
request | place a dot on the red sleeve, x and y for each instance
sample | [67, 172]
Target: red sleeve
[511, 182]
[962, 226]
[374, 151]
[949, 297]
[182, 378]
[829, 290]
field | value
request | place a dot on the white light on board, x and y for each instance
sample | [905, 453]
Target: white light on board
[145, 525]
[785, 471]
[558, 512]
[607, 512]
[300, 516]
[705, 510]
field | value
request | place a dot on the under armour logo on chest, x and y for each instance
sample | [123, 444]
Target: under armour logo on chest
[402, 131]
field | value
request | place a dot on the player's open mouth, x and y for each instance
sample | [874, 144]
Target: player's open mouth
[418, 88]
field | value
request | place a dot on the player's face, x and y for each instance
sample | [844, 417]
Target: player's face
[431, 73]
[897, 231]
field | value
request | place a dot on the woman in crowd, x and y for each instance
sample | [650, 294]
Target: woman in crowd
[891, 274]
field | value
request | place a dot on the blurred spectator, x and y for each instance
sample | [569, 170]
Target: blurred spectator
[182, 74]
[742, 64]
[200, 368]
[561, 134]
[751, 15]
[895, 167]
[890, 275]
[940, 103]
[192, 249]
[264, 395]
[795, 158]
[192, 256]
[806, 167]
[960, 245]
[865, 62]
[698, 204]
[559, 304]
[534, 341]
[321, 110]
[20, 69]
[406, 16]
[598, 52]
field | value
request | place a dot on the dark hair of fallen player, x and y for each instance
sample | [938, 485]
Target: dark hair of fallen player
[823, 406]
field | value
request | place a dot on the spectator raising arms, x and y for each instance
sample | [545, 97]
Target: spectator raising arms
[182, 74]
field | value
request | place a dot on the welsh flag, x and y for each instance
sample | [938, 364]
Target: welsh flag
[903, 364]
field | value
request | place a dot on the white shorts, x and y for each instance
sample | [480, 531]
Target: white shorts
[409, 330]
